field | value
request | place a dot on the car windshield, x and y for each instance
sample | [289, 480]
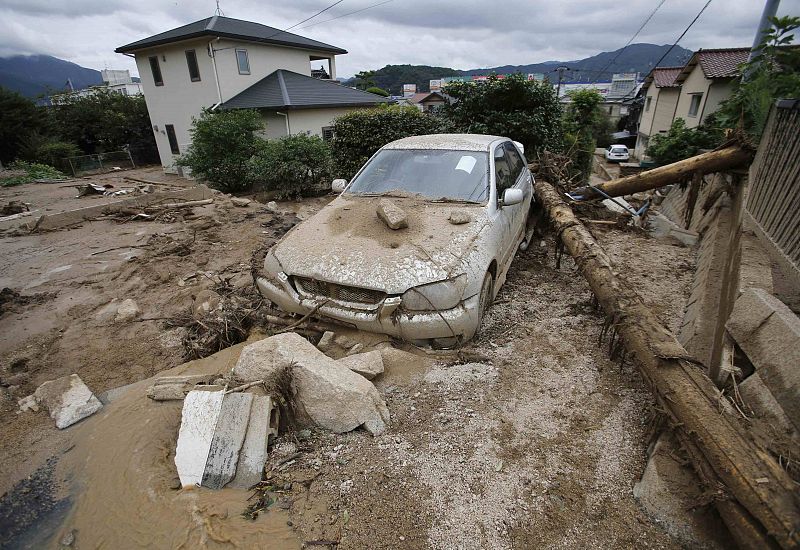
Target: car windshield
[619, 150]
[432, 173]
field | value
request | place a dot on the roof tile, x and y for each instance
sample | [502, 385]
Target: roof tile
[722, 63]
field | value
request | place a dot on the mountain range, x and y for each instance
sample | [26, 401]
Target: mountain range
[34, 75]
[632, 59]
[39, 74]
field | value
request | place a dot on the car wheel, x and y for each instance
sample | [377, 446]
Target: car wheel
[485, 299]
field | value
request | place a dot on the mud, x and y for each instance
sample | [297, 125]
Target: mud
[528, 437]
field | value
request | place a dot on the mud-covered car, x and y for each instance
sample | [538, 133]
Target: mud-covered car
[459, 204]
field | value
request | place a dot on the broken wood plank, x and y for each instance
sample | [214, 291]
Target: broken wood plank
[687, 396]
[714, 161]
[187, 204]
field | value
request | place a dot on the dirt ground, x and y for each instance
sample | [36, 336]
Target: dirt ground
[529, 436]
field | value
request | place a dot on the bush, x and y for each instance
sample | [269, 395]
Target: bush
[19, 117]
[523, 110]
[357, 135]
[682, 142]
[37, 148]
[293, 166]
[222, 144]
[32, 171]
[378, 91]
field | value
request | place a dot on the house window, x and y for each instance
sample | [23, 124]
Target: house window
[243, 62]
[694, 106]
[647, 103]
[156, 68]
[194, 70]
[173, 139]
[327, 133]
[610, 109]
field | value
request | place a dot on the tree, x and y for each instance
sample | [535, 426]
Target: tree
[584, 122]
[365, 79]
[773, 73]
[293, 166]
[358, 134]
[19, 118]
[523, 110]
[102, 121]
[223, 142]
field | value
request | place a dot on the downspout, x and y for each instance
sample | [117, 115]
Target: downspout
[216, 76]
[286, 116]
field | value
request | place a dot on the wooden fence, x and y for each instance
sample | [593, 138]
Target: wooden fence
[773, 201]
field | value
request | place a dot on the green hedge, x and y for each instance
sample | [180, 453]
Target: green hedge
[357, 135]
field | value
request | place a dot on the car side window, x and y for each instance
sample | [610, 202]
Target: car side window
[502, 171]
[514, 161]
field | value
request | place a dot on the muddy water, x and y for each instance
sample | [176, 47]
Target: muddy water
[123, 472]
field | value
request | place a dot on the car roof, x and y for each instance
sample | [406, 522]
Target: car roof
[619, 145]
[456, 142]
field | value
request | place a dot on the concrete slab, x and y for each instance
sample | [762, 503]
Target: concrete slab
[228, 439]
[198, 421]
[68, 399]
[769, 333]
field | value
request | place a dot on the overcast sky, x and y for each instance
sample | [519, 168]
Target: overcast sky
[462, 34]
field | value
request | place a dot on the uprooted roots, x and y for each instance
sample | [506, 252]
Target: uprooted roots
[241, 309]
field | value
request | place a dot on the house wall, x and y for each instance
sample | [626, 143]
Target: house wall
[718, 91]
[696, 82]
[659, 118]
[180, 99]
[312, 120]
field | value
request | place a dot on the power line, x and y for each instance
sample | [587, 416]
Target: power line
[646, 21]
[350, 13]
[683, 34]
[306, 19]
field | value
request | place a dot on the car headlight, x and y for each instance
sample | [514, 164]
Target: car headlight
[271, 265]
[440, 295]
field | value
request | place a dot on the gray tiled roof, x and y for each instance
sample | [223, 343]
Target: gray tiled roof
[289, 90]
[226, 27]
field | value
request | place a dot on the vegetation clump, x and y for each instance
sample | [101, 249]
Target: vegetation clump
[20, 172]
[292, 166]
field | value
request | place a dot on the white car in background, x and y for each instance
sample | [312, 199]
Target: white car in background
[466, 200]
[617, 153]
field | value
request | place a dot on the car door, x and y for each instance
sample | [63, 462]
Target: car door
[504, 219]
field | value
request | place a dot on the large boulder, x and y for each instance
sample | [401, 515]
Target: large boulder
[369, 364]
[329, 394]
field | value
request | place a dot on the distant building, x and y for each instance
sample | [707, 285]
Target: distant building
[116, 81]
[691, 92]
[409, 90]
[429, 102]
[615, 94]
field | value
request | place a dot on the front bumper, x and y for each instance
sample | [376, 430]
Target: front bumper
[448, 327]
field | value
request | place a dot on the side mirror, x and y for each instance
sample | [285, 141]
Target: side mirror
[512, 197]
[338, 185]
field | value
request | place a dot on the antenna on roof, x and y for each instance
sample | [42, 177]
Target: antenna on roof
[218, 11]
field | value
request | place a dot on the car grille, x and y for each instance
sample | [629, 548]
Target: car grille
[341, 293]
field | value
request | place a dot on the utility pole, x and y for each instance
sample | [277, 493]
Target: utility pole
[770, 9]
[560, 70]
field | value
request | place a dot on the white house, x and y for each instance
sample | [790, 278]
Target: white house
[225, 63]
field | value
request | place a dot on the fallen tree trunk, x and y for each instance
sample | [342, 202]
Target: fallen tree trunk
[714, 161]
[765, 502]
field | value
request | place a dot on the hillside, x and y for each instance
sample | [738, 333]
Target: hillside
[635, 58]
[34, 75]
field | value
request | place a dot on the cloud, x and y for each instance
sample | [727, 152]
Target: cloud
[462, 34]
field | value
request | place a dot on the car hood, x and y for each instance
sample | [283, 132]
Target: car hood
[346, 243]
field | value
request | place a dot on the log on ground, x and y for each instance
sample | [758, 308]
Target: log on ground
[723, 159]
[762, 490]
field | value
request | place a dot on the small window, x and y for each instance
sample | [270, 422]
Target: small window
[610, 109]
[156, 68]
[194, 69]
[243, 62]
[694, 106]
[327, 133]
[173, 139]
[647, 104]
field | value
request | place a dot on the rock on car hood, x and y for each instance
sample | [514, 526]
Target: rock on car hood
[346, 243]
